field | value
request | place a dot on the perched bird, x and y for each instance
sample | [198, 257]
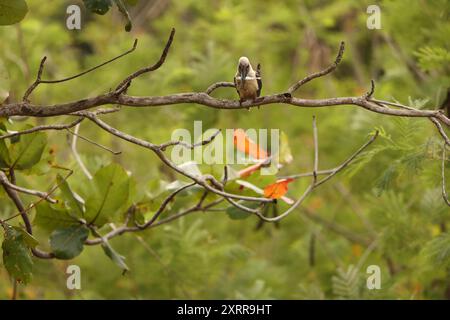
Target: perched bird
[247, 81]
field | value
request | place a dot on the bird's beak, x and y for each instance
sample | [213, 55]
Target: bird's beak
[243, 73]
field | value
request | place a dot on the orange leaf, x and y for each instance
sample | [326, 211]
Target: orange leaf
[246, 145]
[278, 189]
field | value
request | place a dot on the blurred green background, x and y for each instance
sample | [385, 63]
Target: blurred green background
[391, 193]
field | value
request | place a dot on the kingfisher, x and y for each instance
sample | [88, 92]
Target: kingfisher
[247, 81]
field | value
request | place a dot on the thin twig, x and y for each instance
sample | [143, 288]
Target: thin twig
[44, 195]
[350, 159]
[165, 145]
[41, 68]
[222, 84]
[127, 81]
[204, 180]
[316, 150]
[164, 205]
[322, 73]
[43, 128]
[73, 148]
[92, 141]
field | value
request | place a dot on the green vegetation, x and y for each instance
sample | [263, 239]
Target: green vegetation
[385, 208]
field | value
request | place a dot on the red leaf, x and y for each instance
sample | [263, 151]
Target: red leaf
[278, 189]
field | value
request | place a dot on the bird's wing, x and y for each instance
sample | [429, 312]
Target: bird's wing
[258, 80]
[236, 86]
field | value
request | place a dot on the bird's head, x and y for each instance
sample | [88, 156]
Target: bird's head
[244, 67]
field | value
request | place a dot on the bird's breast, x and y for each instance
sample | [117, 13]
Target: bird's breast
[248, 88]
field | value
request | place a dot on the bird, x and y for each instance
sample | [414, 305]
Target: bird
[247, 81]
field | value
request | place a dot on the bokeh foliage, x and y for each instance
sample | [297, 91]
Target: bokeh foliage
[391, 193]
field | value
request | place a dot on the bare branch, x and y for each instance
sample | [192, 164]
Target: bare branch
[335, 170]
[43, 128]
[201, 180]
[322, 73]
[441, 130]
[76, 134]
[216, 85]
[126, 83]
[41, 68]
[164, 146]
[369, 94]
[349, 160]
[316, 150]
[201, 98]
[37, 81]
[125, 229]
[44, 195]
[164, 205]
[314, 184]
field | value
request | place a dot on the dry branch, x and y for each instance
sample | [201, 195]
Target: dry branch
[81, 110]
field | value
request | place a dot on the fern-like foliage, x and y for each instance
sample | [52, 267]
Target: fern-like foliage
[346, 283]
[433, 58]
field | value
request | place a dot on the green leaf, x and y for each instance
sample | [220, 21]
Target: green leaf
[110, 193]
[114, 256]
[30, 241]
[16, 256]
[27, 150]
[12, 11]
[72, 201]
[67, 243]
[51, 217]
[98, 6]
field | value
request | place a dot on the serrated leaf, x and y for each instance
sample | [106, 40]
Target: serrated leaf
[114, 256]
[67, 243]
[111, 187]
[72, 201]
[12, 11]
[53, 217]
[16, 256]
[27, 150]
